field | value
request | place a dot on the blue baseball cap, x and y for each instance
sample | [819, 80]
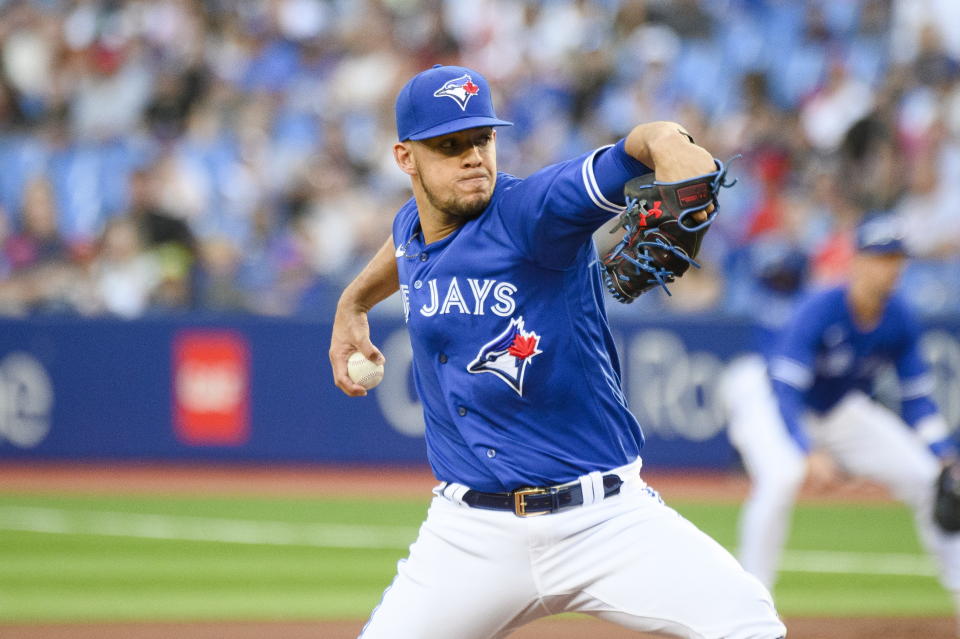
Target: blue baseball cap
[442, 100]
[880, 234]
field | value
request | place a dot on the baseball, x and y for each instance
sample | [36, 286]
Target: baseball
[363, 371]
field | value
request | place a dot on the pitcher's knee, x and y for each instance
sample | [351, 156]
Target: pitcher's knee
[744, 610]
[763, 624]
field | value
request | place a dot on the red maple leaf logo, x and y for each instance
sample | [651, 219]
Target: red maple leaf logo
[523, 347]
[471, 88]
[655, 212]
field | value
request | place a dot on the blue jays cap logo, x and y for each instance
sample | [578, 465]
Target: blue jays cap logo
[423, 111]
[460, 90]
[508, 355]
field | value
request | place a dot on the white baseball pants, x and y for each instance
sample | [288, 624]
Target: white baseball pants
[629, 559]
[864, 437]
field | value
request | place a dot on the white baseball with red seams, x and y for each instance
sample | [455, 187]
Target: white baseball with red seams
[364, 372]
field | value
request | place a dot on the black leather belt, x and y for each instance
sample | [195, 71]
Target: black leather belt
[529, 502]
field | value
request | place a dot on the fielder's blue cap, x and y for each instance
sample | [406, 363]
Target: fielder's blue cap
[881, 234]
[442, 100]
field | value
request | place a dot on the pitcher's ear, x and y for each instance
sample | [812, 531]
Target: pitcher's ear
[403, 155]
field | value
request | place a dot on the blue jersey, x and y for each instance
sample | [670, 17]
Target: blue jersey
[512, 355]
[822, 355]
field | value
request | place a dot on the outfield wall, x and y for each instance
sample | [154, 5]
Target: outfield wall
[254, 389]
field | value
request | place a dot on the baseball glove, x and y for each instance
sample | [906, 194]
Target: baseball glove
[946, 508]
[661, 238]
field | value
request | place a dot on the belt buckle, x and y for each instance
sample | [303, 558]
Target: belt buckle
[520, 504]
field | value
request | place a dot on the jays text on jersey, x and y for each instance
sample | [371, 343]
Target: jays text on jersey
[513, 357]
[823, 355]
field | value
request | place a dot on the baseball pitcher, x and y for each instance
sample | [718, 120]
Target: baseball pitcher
[540, 507]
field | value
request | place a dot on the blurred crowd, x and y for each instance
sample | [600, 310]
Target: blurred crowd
[164, 156]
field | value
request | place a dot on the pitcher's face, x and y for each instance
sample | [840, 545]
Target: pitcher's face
[457, 172]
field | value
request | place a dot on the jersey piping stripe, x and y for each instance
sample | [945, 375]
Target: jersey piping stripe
[593, 189]
[791, 372]
[916, 387]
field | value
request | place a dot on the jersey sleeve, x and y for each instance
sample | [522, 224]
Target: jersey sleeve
[552, 213]
[791, 368]
[918, 407]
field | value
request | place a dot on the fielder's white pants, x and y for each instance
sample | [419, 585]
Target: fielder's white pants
[865, 438]
[629, 559]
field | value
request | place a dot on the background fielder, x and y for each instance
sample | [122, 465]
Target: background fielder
[520, 386]
[813, 417]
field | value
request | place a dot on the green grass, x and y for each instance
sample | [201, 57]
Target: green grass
[107, 558]
[864, 529]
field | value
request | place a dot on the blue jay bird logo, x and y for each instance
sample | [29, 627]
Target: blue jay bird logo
[460, 90]
[508, 355]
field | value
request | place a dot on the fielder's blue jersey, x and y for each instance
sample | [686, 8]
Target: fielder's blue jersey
[822, 355]
[513, 358]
